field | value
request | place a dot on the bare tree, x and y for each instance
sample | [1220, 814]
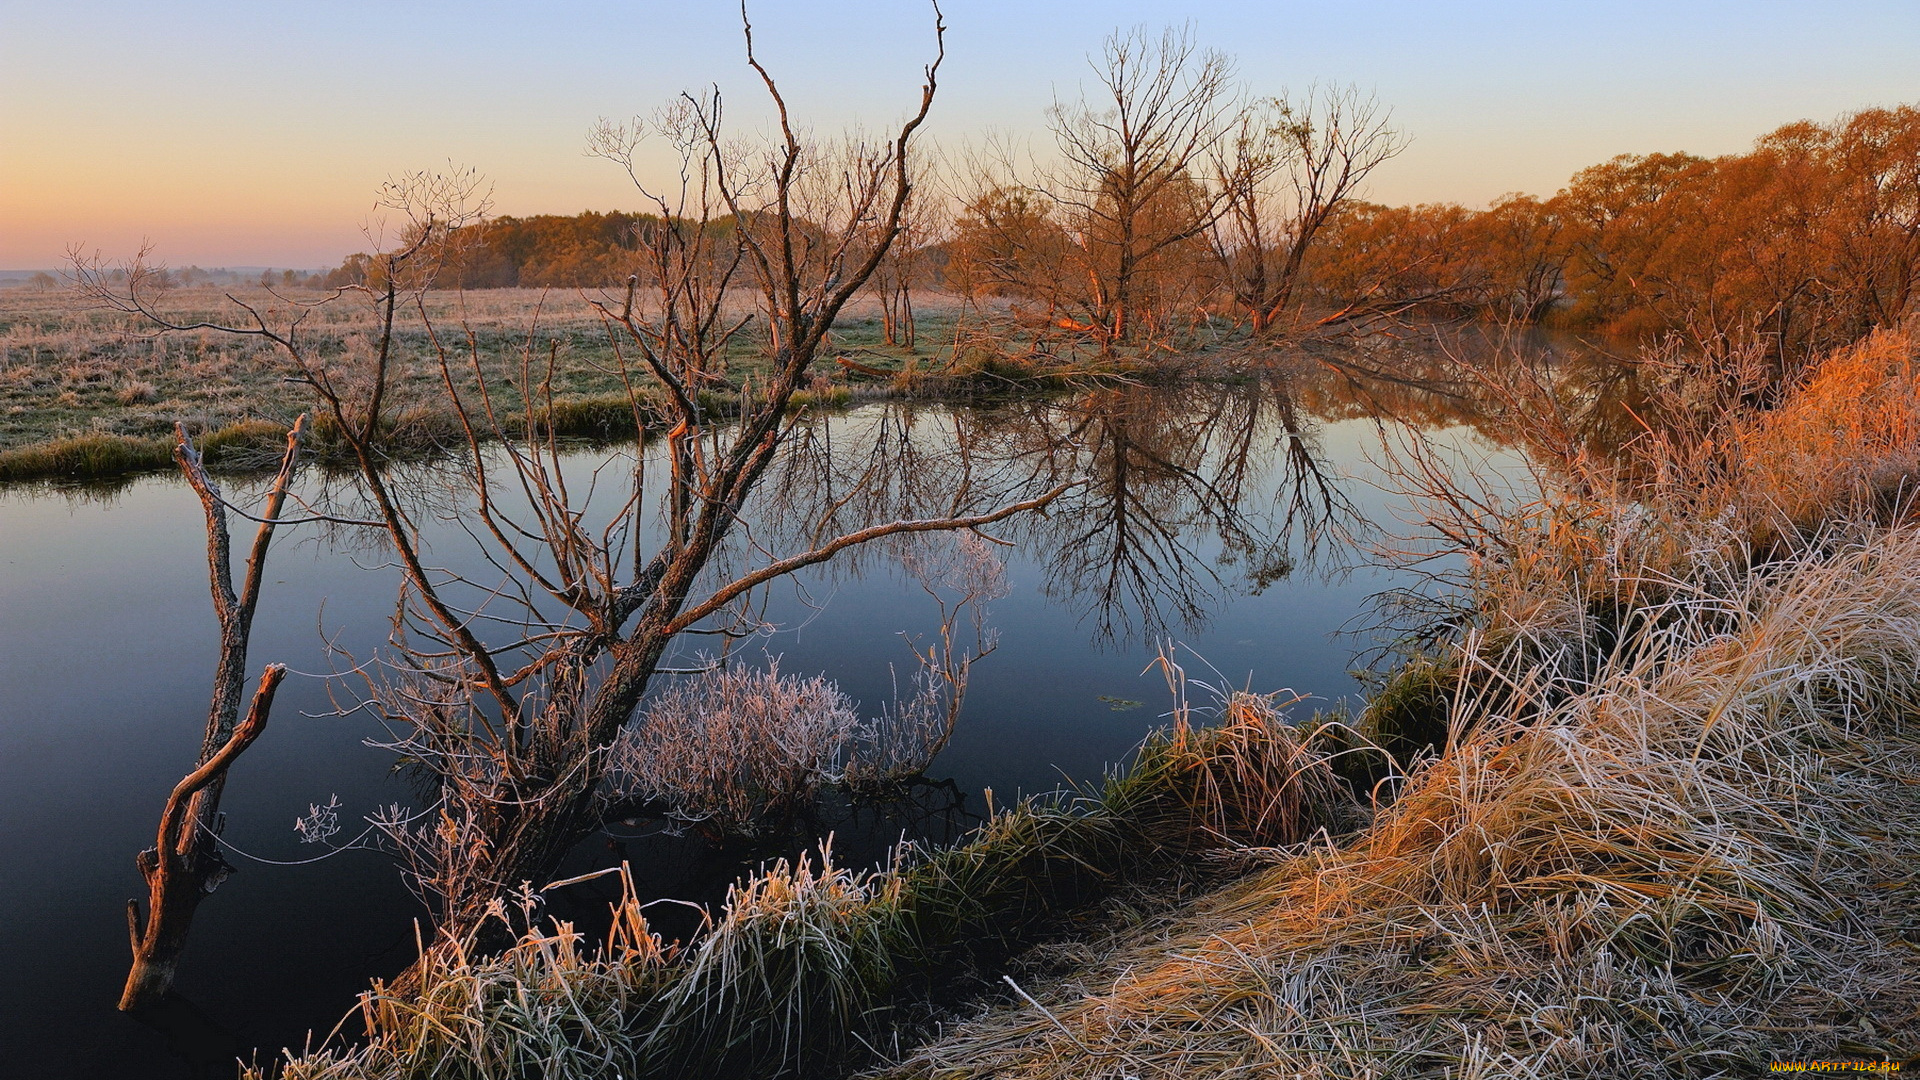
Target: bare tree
[1287, 168]
[908, 264]
[185, 864]
[507, 690]
[1129, 187]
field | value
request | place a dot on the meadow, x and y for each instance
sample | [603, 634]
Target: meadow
[90, 394]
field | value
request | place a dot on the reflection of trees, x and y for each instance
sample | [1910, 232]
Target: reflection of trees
[1174, 472]
[892, 461]
[1561, 401]
[1192, 492]
[1124, 545]
[1314, 511]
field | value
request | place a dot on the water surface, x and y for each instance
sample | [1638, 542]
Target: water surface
[1235, 520]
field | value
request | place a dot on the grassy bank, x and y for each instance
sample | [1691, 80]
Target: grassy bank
[1674, 829]
[1695, 858]
[807, 968]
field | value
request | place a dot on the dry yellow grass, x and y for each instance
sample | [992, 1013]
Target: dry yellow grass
[1852, 432]
[1706, 858]
[1680, 834]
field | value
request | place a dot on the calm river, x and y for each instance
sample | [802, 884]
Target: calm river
[1235, 520]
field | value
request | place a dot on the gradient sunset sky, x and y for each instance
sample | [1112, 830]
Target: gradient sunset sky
[256, 133]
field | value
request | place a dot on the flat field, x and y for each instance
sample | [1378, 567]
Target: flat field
[69, 371]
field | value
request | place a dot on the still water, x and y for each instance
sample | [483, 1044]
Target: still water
[1236, 520]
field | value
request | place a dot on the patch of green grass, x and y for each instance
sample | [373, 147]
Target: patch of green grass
[245, 443]
[85, 457]
[1409, 716]
[603, 418]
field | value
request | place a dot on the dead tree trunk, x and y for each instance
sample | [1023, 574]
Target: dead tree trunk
[190, 867]
[185, 864]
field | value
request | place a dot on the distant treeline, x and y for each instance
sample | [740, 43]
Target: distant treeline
[1810, 239]
[174, 277]
[588, 250]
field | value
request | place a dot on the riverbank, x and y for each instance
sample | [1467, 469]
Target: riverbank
[88, 396]
[809, 967]
[1694, 859]
[1674, 831]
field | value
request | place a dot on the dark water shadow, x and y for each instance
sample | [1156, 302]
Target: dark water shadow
[208, 1049]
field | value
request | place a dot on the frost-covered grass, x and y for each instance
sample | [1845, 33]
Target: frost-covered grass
[68, 372]
[808, 966]
[1674, 829]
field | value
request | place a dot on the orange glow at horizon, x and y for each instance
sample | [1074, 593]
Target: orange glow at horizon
[259, 134]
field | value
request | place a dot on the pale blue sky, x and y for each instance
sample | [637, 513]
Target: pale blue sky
[256, 133]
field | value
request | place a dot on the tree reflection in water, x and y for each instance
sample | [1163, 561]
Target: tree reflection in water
[1559, 399]
[1172, 474]
[1172, 516]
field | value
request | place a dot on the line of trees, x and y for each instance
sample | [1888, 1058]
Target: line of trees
[588, 250]
[1807, 241]
[1178, 203]
[1172, 199]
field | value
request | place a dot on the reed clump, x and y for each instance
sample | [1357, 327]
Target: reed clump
[734, 750]
[808, 965]
[566, 997]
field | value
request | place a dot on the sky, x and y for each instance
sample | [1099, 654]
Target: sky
[257, 133]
